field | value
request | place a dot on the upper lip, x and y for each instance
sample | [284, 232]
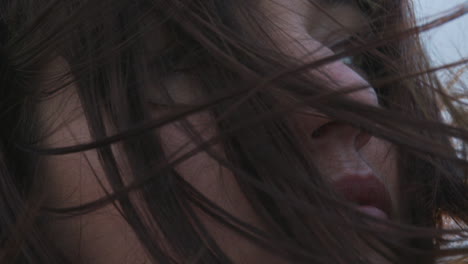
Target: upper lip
[365, 191]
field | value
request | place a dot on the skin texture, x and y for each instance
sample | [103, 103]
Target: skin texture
[104, 237]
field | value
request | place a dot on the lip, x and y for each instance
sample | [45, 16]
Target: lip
[365, 192]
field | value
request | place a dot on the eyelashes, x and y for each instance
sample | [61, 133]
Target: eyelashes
[174, 76]
[357, 62]
[177, 57]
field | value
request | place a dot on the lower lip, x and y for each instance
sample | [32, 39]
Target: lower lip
[373, 211]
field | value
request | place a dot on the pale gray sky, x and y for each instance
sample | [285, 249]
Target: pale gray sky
[449, 42]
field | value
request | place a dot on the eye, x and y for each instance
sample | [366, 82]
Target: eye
[175, 82]
[348, 60]
[355, 62]
[177, 57]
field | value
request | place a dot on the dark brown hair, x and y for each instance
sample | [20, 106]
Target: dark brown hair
[108, 58]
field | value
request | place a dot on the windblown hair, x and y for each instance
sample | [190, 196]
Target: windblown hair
[110, 56]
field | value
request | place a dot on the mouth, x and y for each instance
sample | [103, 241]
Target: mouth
[368, 193]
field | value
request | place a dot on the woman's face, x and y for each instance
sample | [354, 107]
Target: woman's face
[354, 162]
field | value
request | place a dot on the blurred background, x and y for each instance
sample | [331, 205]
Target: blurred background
[447, 43]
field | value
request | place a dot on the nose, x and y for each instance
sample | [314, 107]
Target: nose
[337, 148]
[289, 29]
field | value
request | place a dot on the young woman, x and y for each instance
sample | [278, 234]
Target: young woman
[219, 131]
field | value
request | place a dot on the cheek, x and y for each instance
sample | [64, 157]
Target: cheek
[216, 183]
[183, 138]
[201, 169]
[101, 236]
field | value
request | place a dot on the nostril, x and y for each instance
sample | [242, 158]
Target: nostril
[323, 130]
[317, 133]
[358, 136]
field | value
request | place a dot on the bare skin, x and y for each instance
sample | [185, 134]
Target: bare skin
[104, 237]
